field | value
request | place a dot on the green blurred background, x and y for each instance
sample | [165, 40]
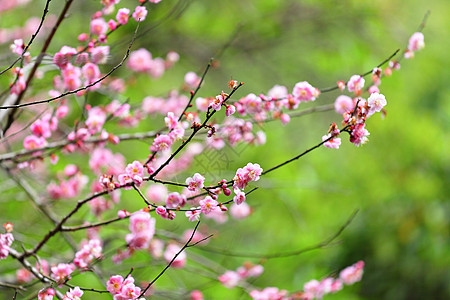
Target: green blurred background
[399, 181]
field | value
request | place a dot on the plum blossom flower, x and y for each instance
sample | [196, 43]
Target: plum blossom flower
[239, 197]
[161, 143]
[6, 240]
[175, 200]
[332, 143]
[376, 103]
[62, 271]
[139, 13]
[353, 273]
[196, 182]
[355, 83]
[208, 205]
[303, 91]
[416, 41]
[229, 279]
[193, 215]
[250, 172]
[343, 104]
[122, 16]
[73, 294]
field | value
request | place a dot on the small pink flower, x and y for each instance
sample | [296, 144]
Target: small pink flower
[229, 279]
[376, 103]
[6, 240]
[193, 215]
[208, 205]
[216, 104]
[195, 183]
[353, 273]
[140, 13]
[175, 200]
[333, 143]
[240, 211]
[191, 79]
[62, 272]
[171, 120]
[122, 16]
[196, 295]
[33, 142]
[73, 294]
[114, 284]
[239, 198]
[355, 84]
[98, 26]
[416, 42]
[303, 91]
[231, 109]
[343, 104]
[161, 143]
[46, 294]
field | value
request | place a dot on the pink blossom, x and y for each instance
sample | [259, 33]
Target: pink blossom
[355, 84]
[239, 197]
[416, 42]
[195, 183]
[285, 118]
[196, 295]
[332, 143]
[33, 142]
[122, 16]
[161, 143]
[359, 135]
[136, 171]
[240, 211]
[250, 172]
[140, 60]
[96, 119]
[193, 215]
[139, 13]
[91, 72]
[278, 92]
[208, 205]
[6, 241]
[157, 193]
[303, 91]
[114, 284]
[202, 103]
[171, 120]
[99, 55]
[175, 200]
[231, 109]
[155, 1]
[73, 294]
[62, 271]
[41, 128]
[343, 104]
[142, 228]
[46, 294]
[353, 273]
[98, 26]
[169, 254]
[376, 103]
[216, 104]
[229, 279]
[269, 293]
[191, 79]
[62, 111]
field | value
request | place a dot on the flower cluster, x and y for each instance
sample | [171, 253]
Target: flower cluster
[88, 252]
[416, 42]
[123, 289]
[142, 227]
[230, 279]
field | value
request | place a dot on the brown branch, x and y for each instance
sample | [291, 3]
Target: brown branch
[10, 115]
[33, 36]
[15, 106]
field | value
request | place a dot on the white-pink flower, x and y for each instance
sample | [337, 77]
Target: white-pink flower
[196, 182]
[139, 13]
[208, 205]
[376, 103]
[416, 41]
[343, 104]
[355, 83]
[303, 91]
[122, 16]
[353, 273]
